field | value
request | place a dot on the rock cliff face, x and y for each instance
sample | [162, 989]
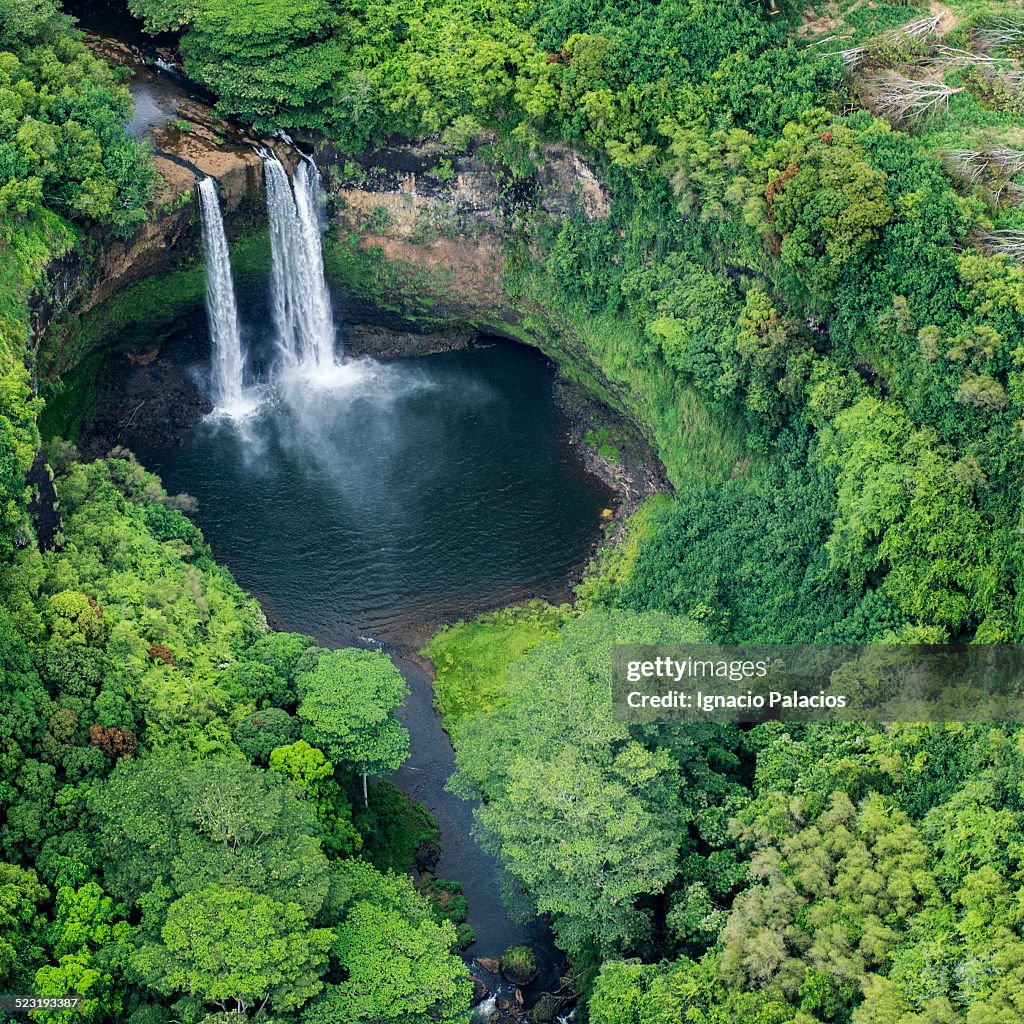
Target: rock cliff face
[441, 224]
[197, 142]
[444, 224]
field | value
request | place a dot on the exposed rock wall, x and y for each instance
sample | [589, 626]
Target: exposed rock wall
[448, 223]
[193, 142]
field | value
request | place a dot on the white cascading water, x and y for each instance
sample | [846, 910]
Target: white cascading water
[221, 309]
[301, 301]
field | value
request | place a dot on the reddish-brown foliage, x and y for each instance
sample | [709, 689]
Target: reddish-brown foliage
[158, 652]
[114, 742]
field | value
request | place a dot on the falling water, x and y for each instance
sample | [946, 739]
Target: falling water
[228, 356]
[301, 301]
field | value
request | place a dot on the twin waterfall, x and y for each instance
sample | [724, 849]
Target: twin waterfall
[301, 302]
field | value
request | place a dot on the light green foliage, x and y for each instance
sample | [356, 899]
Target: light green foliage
[397, 958]
[472, 657]
[88, 942]
[900, 507]
[520, 959]
[164, 15]
[858, 911]
[314, 774]
[824, 202]
[61, 137]
[347, 708]
[615, 565]
[586, 818]
[166, 619]
[20, 923]
[172, 825]
[238, 949]
[867, 867]
[633, 993]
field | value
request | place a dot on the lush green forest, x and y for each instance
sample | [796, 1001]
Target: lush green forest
[814, 238]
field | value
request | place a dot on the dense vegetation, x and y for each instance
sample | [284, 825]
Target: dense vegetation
[794, 249]
[183, 808]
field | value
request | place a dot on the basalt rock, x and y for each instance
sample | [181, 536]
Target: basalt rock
[506, 1011]
[480, 991]
[548, 1007]
[447, 218]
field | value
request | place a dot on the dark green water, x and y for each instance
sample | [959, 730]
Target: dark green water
[423, 489]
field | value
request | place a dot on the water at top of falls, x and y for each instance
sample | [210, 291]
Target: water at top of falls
[225, 334]
[300, 299]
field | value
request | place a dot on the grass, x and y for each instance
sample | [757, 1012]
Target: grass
[613, 567]
[473, 657]
[601, 439]
[605, 353]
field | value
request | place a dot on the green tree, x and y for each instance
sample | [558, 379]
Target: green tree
[314, 774]
[237, 949]
[88, 941]
[272, 63]
[348, 710]
[21, 924]
[398, 961]
[170, 825]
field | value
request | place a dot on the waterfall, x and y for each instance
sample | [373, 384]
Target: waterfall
[301, 301]
[228, 356]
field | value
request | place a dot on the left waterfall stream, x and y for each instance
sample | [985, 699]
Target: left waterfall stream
[227, 356]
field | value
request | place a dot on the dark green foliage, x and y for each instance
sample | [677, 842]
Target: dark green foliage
[750, 561]
[264, 58]
[182, 810]
[398, 834]
[262, 732]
